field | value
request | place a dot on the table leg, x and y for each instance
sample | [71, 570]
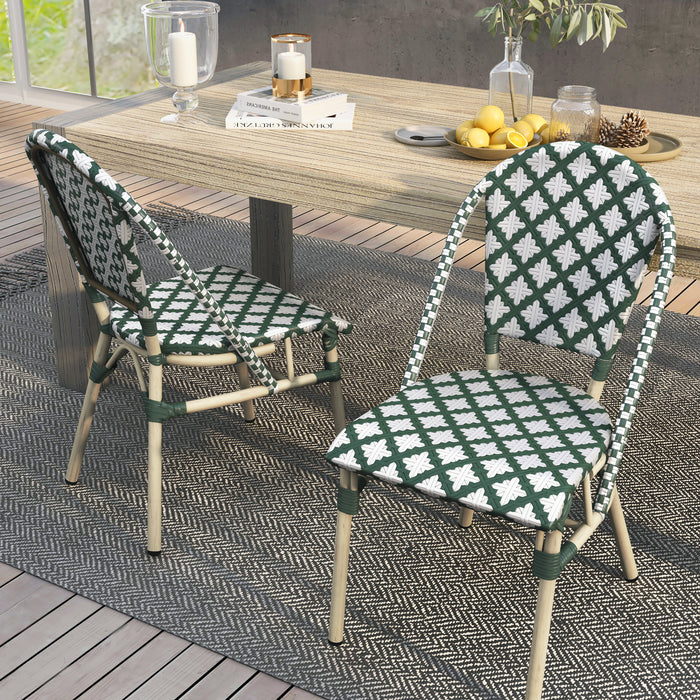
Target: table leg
[75, 328]
[271, 242]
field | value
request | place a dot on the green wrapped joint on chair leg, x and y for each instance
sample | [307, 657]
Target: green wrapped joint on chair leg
[548, 566]
[349, 499]
[158, 411]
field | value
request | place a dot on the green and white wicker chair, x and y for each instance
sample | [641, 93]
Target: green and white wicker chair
[570, 229]
[220, 316]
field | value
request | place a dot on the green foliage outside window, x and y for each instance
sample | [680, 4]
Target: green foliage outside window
[56, 41]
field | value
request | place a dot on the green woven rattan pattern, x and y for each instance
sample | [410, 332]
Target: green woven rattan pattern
[512, 444]
[101, 235]
[570, 229]
[262, 312]
[569, 234]
[112, 260]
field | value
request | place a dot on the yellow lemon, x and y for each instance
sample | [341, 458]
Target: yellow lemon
[536, 121]
[499, 136]
[496, 145]
[545, 134]
[463, 128]
[516, 140]
[476, 138]
[525, 129]
[489, 118]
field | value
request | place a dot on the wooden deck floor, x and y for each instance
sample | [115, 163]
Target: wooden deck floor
[56, 644]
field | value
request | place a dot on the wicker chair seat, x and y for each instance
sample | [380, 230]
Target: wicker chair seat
[511, 444]
[262, 312]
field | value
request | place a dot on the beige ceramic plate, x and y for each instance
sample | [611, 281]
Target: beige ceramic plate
[661, 147]
[634, 150]
[488, 153]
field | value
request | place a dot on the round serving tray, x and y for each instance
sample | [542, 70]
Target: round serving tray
[488, 153]
[659, 147]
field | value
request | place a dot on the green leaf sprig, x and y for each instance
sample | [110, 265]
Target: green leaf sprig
[563, 19]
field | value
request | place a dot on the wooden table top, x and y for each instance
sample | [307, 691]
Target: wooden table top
[364, 172]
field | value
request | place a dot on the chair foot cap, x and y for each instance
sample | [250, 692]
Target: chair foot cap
[631, 580]
[335, 644]
[252, 420]
[71, 483]
[153, 554]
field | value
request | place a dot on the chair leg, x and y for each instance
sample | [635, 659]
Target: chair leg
[337, 403]
[337, 406]
[340, 565]
[86, 414]
[155, 465]
[543, 619]
[155, 476]
[244, 380]
[465, 516]
[622, 538]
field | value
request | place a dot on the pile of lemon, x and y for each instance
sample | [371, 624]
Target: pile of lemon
[488, 130]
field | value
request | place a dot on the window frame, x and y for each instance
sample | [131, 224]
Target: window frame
[21, 90]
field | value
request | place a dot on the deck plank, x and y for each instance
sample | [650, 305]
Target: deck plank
[31, 607]
[7, 573]
[79, 635]
[221, 682]
[177, 676]
[70, 681]
[121, 680]
[261, 687]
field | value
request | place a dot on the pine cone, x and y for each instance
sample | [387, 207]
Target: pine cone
[632, 131]
[608, 132]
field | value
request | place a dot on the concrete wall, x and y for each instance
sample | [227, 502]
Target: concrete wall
[654, 64]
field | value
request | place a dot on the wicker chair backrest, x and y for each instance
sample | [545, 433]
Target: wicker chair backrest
[570, 229]
[96, 216]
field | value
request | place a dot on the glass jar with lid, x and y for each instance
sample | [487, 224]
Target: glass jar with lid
[575, 115]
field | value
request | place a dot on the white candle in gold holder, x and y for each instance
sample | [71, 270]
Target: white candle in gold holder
[291, 65]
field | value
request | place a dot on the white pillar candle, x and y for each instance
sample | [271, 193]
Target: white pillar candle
[291, 65]
[182, 50]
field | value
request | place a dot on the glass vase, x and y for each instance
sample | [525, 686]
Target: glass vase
[575, 115]
[510, 82]
[182, 37]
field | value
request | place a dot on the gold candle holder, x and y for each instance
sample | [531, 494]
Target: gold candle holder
[291, 65]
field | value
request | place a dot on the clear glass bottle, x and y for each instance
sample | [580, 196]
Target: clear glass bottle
[510, 82]
[575, 115]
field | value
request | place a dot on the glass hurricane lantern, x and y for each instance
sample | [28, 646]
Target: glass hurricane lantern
[182, 37]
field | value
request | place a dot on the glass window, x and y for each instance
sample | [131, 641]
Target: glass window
[56, 45]
[119, 45]
[7, 71]
[61, 54]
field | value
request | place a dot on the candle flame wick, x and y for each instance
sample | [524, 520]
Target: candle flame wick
[182, 24]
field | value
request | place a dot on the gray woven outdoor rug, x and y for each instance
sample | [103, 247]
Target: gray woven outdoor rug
[434, 611]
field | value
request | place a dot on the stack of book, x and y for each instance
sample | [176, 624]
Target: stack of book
[322, 109]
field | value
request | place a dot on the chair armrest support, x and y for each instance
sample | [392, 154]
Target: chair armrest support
[432, 305]
[641, 361]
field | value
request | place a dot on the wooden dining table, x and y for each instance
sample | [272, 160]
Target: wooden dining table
[365, 172]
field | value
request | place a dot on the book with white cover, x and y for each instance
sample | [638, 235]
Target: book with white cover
[320, 103]
[240, 119]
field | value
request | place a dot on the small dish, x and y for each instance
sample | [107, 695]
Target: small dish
[634, 150]
[489, 153]
[661, 147]
[424, 135]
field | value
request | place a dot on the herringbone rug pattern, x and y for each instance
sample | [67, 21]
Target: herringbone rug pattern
[434, 611]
